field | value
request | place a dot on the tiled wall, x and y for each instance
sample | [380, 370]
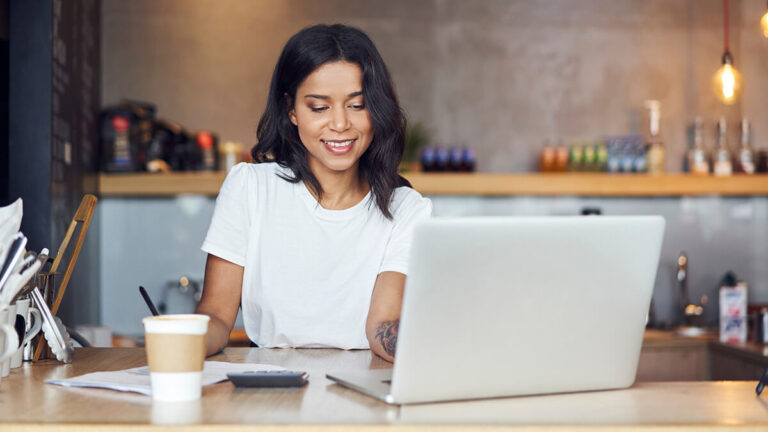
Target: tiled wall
[152, 241]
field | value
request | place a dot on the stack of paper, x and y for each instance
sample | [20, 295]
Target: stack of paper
[137, 379]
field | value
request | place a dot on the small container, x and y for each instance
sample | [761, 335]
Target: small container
[761, 326]
[230, 154]
[733, 310]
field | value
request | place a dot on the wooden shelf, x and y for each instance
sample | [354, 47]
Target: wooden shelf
[482, 184]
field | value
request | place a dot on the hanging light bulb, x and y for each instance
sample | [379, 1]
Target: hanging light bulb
[764, 22]
[727, 83]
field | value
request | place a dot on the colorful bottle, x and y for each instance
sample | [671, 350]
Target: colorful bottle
[589, 156]
[601, 156]
[723, 165]
[746, 156]
[561, 158]
[547, 158]
[656, 158]
[698, 161]
[575, 162]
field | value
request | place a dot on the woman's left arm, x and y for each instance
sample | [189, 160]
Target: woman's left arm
[383, 321]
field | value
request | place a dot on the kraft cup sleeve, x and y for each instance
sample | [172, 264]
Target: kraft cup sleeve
[168, 352]
[11, 341]
[37, 325]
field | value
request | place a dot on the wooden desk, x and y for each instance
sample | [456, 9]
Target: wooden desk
[26, 404]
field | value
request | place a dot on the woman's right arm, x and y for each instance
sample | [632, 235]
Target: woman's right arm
[222, 288]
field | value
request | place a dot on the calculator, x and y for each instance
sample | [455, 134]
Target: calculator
[278, 378]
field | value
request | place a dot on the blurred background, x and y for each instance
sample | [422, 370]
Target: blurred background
[105, 96]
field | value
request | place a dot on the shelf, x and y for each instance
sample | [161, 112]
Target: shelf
[480, 184]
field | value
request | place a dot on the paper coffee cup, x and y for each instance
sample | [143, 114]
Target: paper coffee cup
[175, 347]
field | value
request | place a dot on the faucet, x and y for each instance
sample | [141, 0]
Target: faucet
[691, 312]
[682, 280]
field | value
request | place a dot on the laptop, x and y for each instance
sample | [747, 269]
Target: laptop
[507, 306]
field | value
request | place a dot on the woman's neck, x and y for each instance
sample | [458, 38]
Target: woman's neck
[341, 190]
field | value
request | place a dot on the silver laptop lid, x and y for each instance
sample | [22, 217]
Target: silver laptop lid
[513, 306]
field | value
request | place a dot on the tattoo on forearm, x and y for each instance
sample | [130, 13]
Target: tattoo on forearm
[386, 334]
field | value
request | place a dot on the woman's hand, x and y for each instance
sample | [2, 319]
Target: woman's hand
[222, 288]
[383, 321]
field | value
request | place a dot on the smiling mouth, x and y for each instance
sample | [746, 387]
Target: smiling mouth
[339, 146]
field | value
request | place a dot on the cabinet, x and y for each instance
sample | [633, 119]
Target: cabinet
[667, 358]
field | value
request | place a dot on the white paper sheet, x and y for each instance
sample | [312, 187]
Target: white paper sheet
[137, 379]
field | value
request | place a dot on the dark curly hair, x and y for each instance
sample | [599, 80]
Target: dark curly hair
[278, 138]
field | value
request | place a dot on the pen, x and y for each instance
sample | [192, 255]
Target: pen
[761, 383]
[148, 301]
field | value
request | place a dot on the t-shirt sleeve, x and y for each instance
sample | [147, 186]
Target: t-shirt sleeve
[413, 209]
[227, 235]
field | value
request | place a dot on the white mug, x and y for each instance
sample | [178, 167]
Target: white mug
[10, 319]
[9, 340]
[33, 322]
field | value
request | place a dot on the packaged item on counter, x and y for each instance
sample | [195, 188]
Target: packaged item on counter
[133, 139]
[126, 132]
[761, 326]
[207, 149]
[165, 152]
[733, 309]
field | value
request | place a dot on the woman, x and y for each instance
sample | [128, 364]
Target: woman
[313, 242]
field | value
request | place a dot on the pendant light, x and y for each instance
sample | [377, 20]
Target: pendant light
[727, 80]
[764, 22]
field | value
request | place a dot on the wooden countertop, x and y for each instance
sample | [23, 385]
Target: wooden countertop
[482, 184]
[26, 404]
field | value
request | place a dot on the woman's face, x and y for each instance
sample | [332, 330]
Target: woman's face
[332, 118]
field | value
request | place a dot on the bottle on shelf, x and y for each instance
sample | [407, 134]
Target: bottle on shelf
[547, 158]
[455, 159]
[656, 158]
[427, 159]
[627, 154]
[746, 159]
[601, 155]
[588, 156]
[577, 156]
[468, 159]
[561, 157]
[613, 161]
[723, 165]
[698, 160]
[441, 159]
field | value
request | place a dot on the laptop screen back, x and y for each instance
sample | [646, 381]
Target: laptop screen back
[514, 306]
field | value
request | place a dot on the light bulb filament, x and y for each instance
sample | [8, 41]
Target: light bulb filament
[764, 24]
[728, 80]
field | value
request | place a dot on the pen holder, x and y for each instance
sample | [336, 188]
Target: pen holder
[46, 284]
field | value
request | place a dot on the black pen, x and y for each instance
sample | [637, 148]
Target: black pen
[762, 382]
[149, 302]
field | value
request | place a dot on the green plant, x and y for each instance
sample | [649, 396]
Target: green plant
[416, 137]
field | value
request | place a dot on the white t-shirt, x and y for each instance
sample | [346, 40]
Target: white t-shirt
[309, 272]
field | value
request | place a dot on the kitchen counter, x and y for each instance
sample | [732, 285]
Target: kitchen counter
[26, 404]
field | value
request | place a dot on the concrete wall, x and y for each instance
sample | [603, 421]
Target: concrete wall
[499, 75]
